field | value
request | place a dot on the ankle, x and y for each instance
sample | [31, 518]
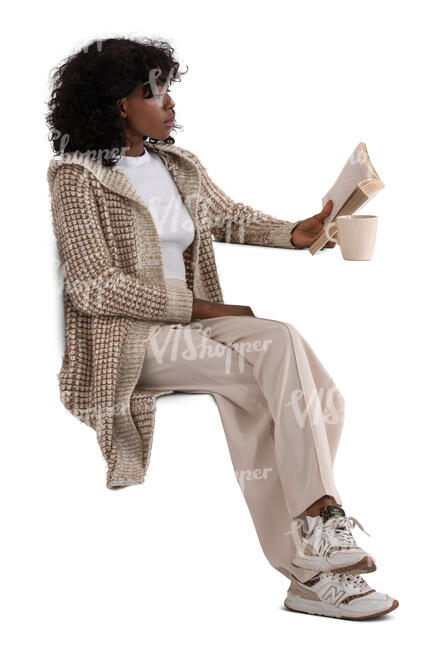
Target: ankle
[313, 510]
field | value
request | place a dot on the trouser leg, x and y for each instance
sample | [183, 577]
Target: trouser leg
[250, 439]
[304, 402]
[205, 359]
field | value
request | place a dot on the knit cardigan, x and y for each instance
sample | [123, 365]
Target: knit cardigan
[115, 293]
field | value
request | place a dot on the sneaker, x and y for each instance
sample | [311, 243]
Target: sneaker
[326, 543]
[340, 595]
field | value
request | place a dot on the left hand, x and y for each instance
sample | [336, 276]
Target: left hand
[308, 230]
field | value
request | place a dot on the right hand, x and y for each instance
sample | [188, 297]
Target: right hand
[308, 230]
[208, 309]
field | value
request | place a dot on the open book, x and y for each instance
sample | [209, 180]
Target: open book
[355, 185]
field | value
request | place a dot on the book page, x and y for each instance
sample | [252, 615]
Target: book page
[354, 172]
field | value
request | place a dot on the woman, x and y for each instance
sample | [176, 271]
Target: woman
[133, 215]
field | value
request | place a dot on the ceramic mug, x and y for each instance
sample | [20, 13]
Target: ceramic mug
[356, 235]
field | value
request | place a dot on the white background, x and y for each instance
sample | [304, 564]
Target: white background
[277, 96]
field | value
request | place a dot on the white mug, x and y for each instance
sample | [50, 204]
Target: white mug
[356, 235]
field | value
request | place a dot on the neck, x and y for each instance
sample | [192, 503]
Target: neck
[136, 149]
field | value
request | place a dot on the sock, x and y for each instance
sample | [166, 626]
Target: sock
[331, 511]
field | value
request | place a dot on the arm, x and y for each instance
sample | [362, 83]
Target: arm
[237, 223]
[95, 285]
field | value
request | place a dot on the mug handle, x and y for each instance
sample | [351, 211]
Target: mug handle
[327, 229]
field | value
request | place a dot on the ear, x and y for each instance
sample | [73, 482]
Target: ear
[121, 107]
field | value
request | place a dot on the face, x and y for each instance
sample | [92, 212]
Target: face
[146, 115]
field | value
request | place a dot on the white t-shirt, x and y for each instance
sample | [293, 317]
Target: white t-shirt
[155, 186]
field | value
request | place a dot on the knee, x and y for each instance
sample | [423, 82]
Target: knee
[275, 335]
[281, 331]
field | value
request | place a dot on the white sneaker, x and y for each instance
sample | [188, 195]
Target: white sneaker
[326, 543]
[340, 595]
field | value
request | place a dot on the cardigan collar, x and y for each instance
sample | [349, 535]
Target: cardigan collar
[115, 180]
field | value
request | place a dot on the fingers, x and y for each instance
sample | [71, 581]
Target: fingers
[326, 210]
[328, 207]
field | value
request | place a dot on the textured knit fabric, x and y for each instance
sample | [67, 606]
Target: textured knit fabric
[174, 224]
[115, 290]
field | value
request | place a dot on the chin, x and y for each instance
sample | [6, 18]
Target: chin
[162, 135]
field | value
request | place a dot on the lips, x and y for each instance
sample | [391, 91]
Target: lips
[171, 118]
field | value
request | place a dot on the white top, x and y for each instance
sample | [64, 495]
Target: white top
[175, 226]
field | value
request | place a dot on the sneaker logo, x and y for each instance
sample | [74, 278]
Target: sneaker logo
[333, 594]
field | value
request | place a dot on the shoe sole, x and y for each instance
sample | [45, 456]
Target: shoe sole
[346, 618]
[365, 565]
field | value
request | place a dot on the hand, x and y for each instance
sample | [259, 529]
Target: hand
[308, 230]
[209, 309]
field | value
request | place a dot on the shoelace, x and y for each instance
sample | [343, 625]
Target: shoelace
[340, 529]
[348, 580]
[323, 534]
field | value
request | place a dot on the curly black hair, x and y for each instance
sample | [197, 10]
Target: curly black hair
[83, 112]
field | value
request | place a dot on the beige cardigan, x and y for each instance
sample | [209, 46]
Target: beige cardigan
[115, 291]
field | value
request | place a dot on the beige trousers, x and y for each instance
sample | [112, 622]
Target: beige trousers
[282, 414]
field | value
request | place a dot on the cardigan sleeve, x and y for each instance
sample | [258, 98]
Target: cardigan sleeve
[96, 286]
[238, 223]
